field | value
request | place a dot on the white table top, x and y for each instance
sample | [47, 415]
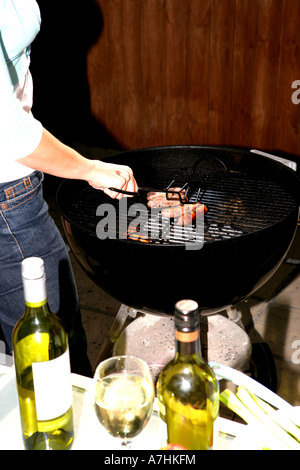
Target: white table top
[89, 434]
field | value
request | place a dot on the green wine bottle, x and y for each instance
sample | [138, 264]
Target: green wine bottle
[187, 389]
[42, 363]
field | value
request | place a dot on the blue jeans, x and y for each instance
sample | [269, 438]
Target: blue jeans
[26, 229]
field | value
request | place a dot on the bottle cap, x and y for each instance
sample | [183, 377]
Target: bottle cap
[187, 315]
[33, 268]
[186, 305]
[34, 280]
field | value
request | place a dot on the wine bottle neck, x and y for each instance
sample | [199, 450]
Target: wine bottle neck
[35, 293]
[187, 344]
[31, 305]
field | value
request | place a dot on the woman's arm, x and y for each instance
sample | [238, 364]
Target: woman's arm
[57, 159]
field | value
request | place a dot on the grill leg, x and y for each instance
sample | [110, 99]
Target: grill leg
[114, 332]
[235, 316]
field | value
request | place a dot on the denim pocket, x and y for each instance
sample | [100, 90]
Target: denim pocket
[21, 204]
[18, 193]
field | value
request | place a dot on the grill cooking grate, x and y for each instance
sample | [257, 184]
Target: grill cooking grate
[236, 206]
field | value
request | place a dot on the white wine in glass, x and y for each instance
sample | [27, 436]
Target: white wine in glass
[124, 396]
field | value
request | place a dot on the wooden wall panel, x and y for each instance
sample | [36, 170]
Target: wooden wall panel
[286, 126]
[175, 67]
[202, 72]
[197, 70]
[243, 71]
[154, 63]
[133, 81]
[267, 60]
[220, 75]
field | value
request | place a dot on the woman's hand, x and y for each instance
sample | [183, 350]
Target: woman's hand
[109, 175]
[57, 159]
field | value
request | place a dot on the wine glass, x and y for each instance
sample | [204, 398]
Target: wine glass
[124, 396]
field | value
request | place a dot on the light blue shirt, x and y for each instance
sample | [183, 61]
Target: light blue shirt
[20, 133]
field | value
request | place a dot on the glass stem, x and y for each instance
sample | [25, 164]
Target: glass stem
[126, 444]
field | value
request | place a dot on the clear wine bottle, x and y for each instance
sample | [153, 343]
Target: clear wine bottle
[42, 363]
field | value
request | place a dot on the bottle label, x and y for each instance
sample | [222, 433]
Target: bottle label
[187, 337]
[52, 387]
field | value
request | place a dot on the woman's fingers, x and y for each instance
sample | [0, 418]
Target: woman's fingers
[109, 175]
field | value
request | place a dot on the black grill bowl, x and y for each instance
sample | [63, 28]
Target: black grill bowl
[152, 277]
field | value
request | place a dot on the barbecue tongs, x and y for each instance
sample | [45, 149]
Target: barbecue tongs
[167, 190]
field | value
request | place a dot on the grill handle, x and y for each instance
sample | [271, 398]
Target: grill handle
[289, 163]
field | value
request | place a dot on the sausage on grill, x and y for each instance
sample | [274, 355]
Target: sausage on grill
[168, 203]
[173, 212]
[159, 203]
[191, 213]
[167, 195]
[185, 213]
[164, 199]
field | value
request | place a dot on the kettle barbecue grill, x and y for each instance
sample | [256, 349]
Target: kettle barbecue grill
[253, 209]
